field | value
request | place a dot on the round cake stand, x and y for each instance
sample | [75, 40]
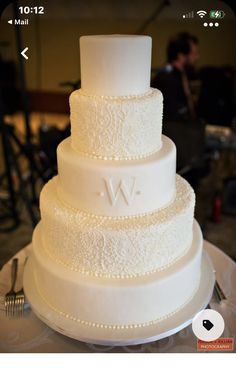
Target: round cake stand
[116, 337]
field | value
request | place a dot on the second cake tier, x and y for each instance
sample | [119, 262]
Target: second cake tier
[116, 128]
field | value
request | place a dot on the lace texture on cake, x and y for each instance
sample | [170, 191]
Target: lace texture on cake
[116, 128]
[117, 248]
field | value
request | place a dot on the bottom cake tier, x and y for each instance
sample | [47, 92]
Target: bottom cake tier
[120, 303]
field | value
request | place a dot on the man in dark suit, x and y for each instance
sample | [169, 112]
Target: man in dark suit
[172, 80]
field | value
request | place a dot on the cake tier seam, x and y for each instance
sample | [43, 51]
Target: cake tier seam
[116, 158]
[124, 97]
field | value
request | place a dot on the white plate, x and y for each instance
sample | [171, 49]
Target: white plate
[120, 337]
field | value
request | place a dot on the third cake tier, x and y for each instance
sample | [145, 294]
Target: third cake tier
[117, 188]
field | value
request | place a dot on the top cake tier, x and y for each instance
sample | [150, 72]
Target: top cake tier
[115, 65]
[116, 115]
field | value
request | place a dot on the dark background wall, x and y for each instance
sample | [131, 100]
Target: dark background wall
[53, 38]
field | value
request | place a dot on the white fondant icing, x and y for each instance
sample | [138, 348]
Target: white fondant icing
[113, 247]
[131, 303]
[116, 246]
[148, 184]
[116, 129]
[115, 65]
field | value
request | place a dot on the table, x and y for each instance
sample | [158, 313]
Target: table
[29, 334]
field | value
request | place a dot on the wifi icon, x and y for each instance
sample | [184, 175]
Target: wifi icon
[201, 13]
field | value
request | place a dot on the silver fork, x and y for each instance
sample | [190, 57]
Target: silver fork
[10, 297]
[20, 299]
[219, 292]
[19, 303]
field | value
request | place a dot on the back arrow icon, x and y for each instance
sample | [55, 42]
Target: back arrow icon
[23, 53]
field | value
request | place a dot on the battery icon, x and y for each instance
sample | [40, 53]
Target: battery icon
[217, 14]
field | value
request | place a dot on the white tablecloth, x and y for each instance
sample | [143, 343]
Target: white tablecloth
[29, 334]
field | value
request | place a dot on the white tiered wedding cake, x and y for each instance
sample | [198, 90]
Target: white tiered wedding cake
[117, 246]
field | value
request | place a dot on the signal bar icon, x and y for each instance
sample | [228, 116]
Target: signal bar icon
[189, 15]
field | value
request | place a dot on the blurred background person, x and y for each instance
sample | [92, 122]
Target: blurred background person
[173, 79]
[199, 101]
[180, 111]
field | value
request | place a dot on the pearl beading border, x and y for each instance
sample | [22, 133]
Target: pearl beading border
[110, 276]
[123, 97]
[116, 158]
[116, 218]
[109, 326]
